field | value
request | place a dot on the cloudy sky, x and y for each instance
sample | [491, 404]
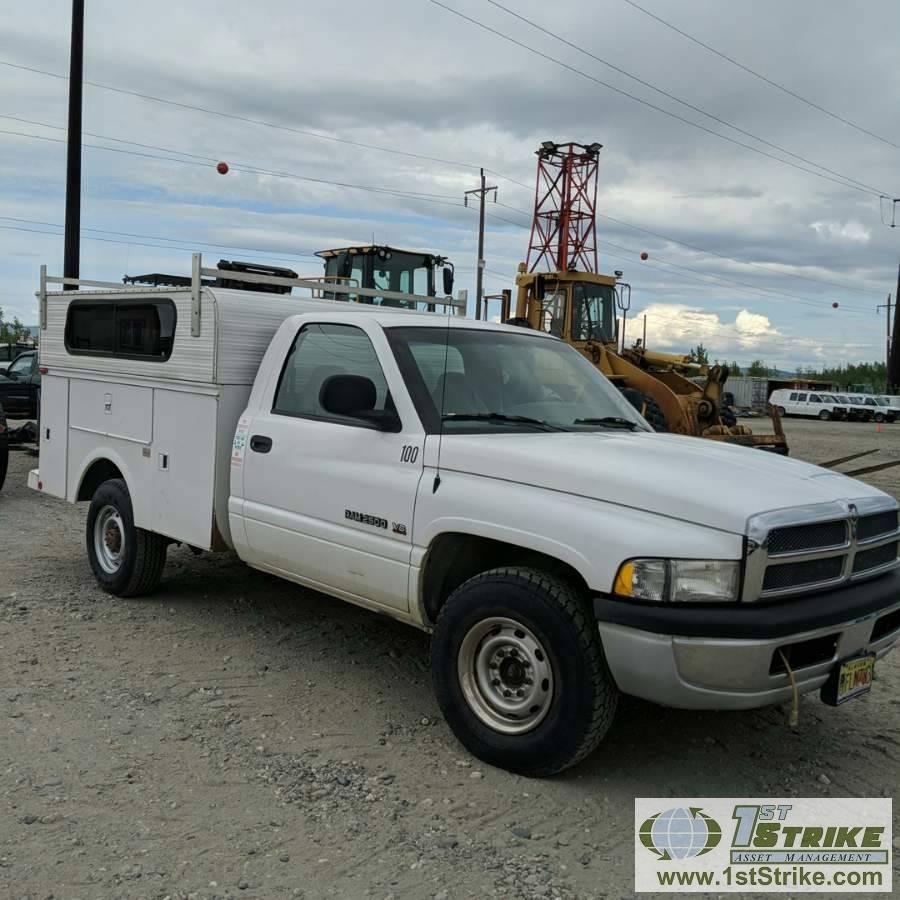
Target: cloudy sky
[401, 102]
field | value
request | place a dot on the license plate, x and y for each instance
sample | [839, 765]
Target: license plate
[850, 678]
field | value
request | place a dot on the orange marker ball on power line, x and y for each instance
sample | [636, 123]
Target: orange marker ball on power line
[835, 305]
[222, 168]
[645, 255]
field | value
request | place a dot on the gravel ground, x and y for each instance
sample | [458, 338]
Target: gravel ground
[236, 736]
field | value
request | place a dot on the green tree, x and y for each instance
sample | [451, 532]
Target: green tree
[759, 369]
[873, 374]
[734, 369]
[10, 332]
[700, 354]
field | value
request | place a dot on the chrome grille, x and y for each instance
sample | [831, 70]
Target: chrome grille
[800, 574]
[807, 537]
[810, 548]
[874, 526]
[875, 559]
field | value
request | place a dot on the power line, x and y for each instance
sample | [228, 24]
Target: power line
[156, 237]
[671, 96]
[647, 103]
[314, 134]
[704, 278]
[402, 195]
[723, 278]
[281, 254]
[444, 199]
[762, 77]
[720, 255]
[239, 118]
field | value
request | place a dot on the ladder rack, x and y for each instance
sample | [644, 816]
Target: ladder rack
[198, 273]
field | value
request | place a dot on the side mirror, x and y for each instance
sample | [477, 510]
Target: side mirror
[353, 396]
[448, 281]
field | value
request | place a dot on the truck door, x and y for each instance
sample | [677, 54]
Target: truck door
[329, 500]
[17, 390]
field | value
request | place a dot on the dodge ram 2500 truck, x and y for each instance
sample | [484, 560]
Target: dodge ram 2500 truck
[484, 483]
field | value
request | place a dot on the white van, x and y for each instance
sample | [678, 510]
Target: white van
[877, 408]
[806, 403]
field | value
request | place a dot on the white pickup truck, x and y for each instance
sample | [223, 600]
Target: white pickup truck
[481, 482]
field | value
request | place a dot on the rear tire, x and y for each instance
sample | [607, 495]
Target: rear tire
[519, 671]
[824, 415]
[127, 561]
[781, 411]
[648, 408]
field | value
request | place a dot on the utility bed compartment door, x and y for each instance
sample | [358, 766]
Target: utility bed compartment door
[114, 410]
[184, 466]
[54, 427]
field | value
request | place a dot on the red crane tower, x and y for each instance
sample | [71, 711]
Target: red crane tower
[564, 230]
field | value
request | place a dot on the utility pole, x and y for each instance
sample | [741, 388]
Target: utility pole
[887, 306]
[72, 236]
[479, 276]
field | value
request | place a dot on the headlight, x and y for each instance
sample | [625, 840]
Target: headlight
[679, 580]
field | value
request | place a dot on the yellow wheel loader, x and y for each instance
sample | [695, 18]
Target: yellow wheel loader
[581, 309]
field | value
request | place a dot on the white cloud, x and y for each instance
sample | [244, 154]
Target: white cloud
[852, 232]
[678, 326]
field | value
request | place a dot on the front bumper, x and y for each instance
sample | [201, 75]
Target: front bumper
[716, 658]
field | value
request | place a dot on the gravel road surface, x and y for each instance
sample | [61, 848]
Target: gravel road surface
[236, 736]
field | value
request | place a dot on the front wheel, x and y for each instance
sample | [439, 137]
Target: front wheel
[879, 417]
[824, 415]
[126, 560]
[519, 672]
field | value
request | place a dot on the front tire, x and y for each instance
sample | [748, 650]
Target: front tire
[126, 561]
[879, 417]
[519, 672]
[824, 415]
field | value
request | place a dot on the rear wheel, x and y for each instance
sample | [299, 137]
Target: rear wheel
[647, 407]
[824, 415]
[519, 671]
[781, 411]
[126, 560]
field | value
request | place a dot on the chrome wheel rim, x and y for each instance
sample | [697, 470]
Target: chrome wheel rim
[505, 675]
[109, 539]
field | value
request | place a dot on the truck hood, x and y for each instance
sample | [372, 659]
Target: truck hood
[705, 482]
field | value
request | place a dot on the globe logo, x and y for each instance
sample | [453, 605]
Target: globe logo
[680, 833]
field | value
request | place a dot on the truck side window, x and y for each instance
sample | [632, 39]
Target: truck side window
[794, 395]
[802, 397]
[318, 352]
[142, 329]
[815, 398]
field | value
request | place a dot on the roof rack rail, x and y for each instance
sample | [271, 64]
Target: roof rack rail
[200, 278]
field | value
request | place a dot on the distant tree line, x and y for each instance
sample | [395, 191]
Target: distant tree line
[10, 332]
[870, 373]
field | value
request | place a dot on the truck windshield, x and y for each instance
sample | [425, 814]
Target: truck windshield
[491, 381]
[593, 307]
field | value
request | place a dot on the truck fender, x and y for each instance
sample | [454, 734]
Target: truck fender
[141, 509]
